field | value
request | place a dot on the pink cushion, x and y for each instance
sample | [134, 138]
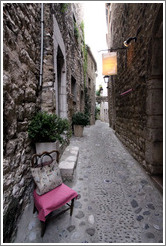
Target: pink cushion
[53, 200]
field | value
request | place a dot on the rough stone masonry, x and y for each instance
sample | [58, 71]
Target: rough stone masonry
[137, 116]
[63, 76]
[21, 73]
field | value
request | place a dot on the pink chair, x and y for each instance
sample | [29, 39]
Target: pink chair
[54, 199]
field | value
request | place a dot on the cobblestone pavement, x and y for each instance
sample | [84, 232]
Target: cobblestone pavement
[118, 202]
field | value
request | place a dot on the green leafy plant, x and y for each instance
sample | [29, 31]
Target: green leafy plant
[85, 64]
[64, 7]
[98, 92]
[82, 27]
[97, 113]
[76, 31]
[45, 127]
[84, 51]
[80, 118]
[64, 127]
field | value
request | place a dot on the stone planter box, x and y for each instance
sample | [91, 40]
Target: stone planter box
[47, 146]
[78, 130]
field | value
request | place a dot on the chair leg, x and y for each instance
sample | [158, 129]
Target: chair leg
[71, 207]
[34, 209]
[43, 228]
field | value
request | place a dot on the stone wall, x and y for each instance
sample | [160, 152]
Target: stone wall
[47, 93]
[91, 83]
[20, 87]
[23, 96]
[136, 115]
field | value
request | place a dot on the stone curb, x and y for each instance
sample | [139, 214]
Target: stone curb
[68, 162]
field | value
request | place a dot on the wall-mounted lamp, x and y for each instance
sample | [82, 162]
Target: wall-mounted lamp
[106, 78]
[128, 41]
[109, 60]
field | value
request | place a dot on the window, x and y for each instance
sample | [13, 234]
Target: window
[73, 89]
[89, 83]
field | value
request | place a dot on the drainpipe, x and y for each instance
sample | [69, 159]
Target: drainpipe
[41, 52]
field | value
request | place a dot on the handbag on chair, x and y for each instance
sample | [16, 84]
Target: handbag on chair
[50, 192]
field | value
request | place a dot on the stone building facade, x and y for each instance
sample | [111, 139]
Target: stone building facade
[57, 86]
[68, 59]
[91, 84]
[136, 92]
[104, 112]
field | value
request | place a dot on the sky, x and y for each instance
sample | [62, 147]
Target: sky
[95, 34]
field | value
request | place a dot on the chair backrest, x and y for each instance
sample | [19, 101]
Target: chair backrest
[38, 159]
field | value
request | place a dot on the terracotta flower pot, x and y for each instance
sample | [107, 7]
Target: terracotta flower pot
[78, 130]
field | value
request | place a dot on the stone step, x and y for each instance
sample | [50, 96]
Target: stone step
[68, 162]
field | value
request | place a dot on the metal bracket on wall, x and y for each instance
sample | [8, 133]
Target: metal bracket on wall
[123, 93]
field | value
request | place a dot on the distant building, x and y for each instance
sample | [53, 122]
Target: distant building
[104, 112]
[136, 93]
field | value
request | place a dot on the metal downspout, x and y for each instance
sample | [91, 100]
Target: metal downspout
[41, 52]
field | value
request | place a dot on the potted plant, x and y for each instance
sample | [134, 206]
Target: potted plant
[79, 120]
[47, 131]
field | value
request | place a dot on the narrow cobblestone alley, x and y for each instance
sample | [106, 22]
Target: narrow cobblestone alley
[118, 202]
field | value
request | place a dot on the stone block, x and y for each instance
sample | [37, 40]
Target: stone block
[11, 147]
[25, 58]
[17, 95]
[30, 95]
[47, 75]
[67, 168]
[71, 159]
[68, 161]
[6, 166]
[6, 81]
[8, 181]
[20, 113]
[29, 110]
[48, 84]
[70, 151]
[15, 191]
[47, 96]
[22, 126]
[74, 151]
[9, 107]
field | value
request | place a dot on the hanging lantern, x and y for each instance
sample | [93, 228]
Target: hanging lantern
[109, 61]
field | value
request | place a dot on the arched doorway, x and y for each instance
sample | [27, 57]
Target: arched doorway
[60, 72]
